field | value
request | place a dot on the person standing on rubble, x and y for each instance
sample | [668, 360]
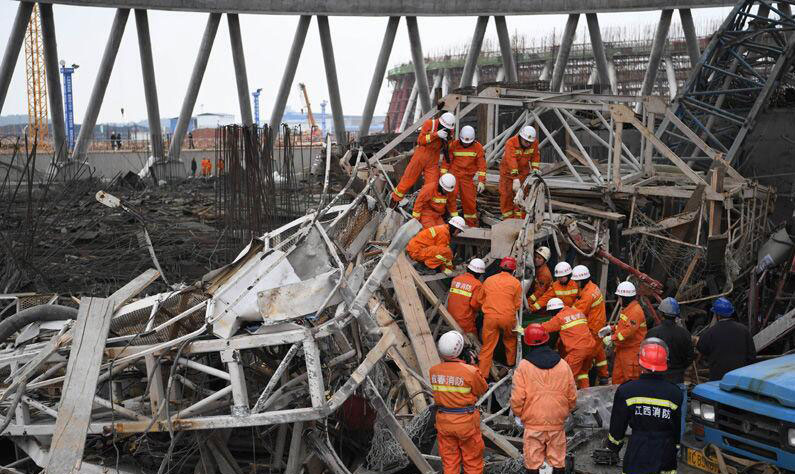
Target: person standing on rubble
[542, 397]
[677, 338]
[728, 344]
[499, 298]
[207, 167]
[562, 288]
[591, 302]
[651, 406]
[627, 335]
[578, 344]
[431, 246]
[434, 201]
[193, 167]
[467, 160]
[457, 386]
[459, 300]
[520, 157]
[431, 148]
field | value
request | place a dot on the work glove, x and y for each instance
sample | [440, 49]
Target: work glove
[442, 134]
[605, 331]
[516, 185]
[481, 187]
[448, 271]
[608, 341]
[518, 329]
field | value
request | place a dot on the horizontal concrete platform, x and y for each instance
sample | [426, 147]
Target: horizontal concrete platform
[404, 7]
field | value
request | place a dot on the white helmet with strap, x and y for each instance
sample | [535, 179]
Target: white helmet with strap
[447, 120]
[528, 133]
[626, 288]
[467, 135]
[450, 345]
[562, 269]
[580, 272]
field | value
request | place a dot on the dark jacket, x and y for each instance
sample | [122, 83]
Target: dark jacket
[727, 345]
[542, 357]
[651, 406]
[680, 348]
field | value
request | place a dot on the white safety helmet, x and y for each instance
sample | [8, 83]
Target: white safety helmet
[562, 269]
[447, 182]
[626, 288]
[477, 265]
[528, 133]
[544, 252]
[467, 135]
[451, 344]
[554, 303]
[458, 223]
[447, 120]
[580, 272]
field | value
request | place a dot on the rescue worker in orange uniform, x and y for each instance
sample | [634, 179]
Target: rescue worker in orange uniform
[520, 158]
[434, 201]
[627, 335]
[578, 344]
[542, 397]
[467, 161]
[457, 385]
[431, 143]
[591, 302]
[431, 246]
[207, 167]
[462, 289]
[543, 277]
[499, 298]
[562, 288]
[219, 166]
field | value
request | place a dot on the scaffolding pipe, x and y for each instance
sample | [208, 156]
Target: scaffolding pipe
[378, 74]
[563, 53]
[239, 60]
[420, 76]
[689, 28]
[471, 62]
[14, 45]
[289, 72]
[657, 47]
[599, 55]
[508, 60]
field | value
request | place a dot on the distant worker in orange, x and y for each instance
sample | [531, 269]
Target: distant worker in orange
[457, 385]
[627, 335]
[431, 145]
[434, 201]
[207, 167]
[431, 246]
[542, 397]
[499, 298]
[219, 166]
[591, 302]
[578, 344]
[467, 161]
[462, 290]
[562, 288]
[543, 277]
[520, 157]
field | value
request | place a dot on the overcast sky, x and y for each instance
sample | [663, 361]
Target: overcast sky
[82, 33]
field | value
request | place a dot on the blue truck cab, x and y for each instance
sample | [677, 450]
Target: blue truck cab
[749, 414]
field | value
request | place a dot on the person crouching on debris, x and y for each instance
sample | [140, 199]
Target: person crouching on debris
[562, 288]
[431, 246]
[457, 386]
[462, 289]
[591, 302]
[434, 201]
[520, 157]
[543, 277]
[578, 344]
[499, 298]
[651, 406]
[431, 146]
[627, 335]
[467, 159]
[542, 397]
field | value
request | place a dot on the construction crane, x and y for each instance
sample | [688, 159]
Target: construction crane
[36, 79]
[309, 117]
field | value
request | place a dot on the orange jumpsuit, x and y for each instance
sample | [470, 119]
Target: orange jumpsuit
[459, 301]
[499, 298]
[430, 206]
[219, 167]
[467, 162]
[577, 341]
[567, 294]
[456, 388]
[431, 246]
[425, 159]
[207, 167]
[543, 399]
[627, 335]
[516, 164]
[541, 283]
[592, 304]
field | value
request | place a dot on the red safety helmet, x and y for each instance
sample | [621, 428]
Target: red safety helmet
[535, 335]
[508, 263]
[653, 355]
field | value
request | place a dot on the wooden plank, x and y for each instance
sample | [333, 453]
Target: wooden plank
[667, 223]
[775, 331]
[127, 292]
[82, 371]
[414, 315]
[613, 216]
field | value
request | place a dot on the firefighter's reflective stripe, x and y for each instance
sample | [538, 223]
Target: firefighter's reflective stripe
[428, 137]
[415, 214]
[454, 214]
[620, 336]
[524, 151]
[507, 214]
[623, 317]
[465, 153]
[399, 194]
[442, 259]
[459, 291]
[565, 292]
[440, 200]
[597, 302]
[515, 171]
[433, 231]
[480, 173]
[582, 376]
[533, 297]
[573, 323]
[536, 306]
[660, 402]
[601, 364]
[470, 216]
[613, 440]
[450, 388]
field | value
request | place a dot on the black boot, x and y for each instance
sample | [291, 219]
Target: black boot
[530, 471]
